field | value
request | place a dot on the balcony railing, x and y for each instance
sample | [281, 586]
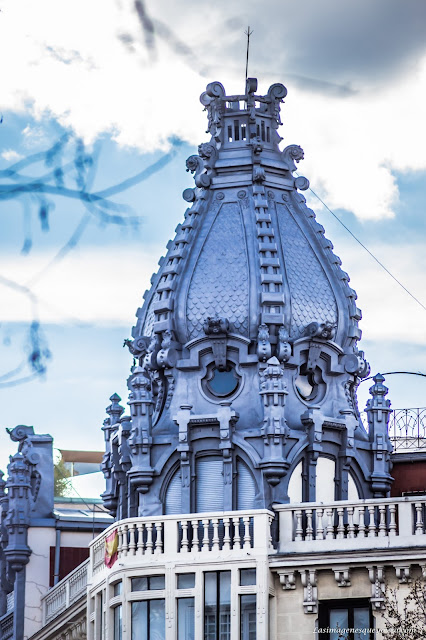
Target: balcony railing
[363, 524]
[231, 532]
[65, 593]
[407, 428]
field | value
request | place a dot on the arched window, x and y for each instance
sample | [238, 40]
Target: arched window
[173, 501]
[246, 487]
[209, 484]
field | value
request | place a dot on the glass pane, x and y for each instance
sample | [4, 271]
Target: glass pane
[139, 584]
[210, 605]
[225, 587]
[225, 605]
[118, 622]
[248, 617]
[118, 588]
[186, 618]
[223, 383]
[100, 617]
[338, 621]
[186, 581]
[139, 620]
[157, 620]
[247, 577]
[362, 623]
[156, 582]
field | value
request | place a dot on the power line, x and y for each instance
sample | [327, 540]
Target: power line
[367, 250]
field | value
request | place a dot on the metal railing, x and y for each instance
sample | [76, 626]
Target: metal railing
[407, 428]
[65, 593]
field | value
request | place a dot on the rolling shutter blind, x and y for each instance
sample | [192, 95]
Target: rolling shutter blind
[174, 495]
[246, 488]
[209, 484]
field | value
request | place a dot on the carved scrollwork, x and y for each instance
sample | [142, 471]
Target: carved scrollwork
[292, 154]
[20, 432]
[276, 93]
[215, 89]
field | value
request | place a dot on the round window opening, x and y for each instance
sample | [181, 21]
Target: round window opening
[222, 383]
[310, 384]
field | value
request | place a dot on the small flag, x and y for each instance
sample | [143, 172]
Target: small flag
[111, 548]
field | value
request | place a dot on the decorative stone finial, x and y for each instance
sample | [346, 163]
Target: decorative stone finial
[115, 410]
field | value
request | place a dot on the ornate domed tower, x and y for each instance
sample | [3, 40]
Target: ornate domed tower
[243, 389]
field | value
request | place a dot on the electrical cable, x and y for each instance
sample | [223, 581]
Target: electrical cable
[366, 249]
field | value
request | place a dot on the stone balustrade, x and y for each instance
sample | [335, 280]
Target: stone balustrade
[362, 524]
[65, 593]
[203, 534]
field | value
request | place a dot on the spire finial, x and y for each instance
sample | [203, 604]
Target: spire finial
[248, 34]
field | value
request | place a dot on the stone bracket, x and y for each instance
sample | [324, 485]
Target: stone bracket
[310, 590]
[376, 574]
[288, 580]
[403, 573]
[343, 576]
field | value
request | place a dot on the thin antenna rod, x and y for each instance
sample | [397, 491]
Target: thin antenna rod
[248, 34]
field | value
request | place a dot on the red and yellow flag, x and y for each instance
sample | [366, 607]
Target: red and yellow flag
[111, 548]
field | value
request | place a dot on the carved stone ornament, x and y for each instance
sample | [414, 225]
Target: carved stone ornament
[283, 346]
[310, 591]
[167, 355]
[215, 325]
[288, 580]
[403, 573]
[264, 348]
[342, 576]
[376, 575]
[323, 330]
[292, 154]
[137, 347]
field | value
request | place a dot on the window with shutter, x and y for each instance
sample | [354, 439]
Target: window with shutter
[173, 504]
[246, 488]
[209, 484]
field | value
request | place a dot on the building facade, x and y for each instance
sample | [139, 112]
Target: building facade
[249, 499]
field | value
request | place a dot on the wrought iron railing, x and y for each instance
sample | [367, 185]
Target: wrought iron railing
[407, 428]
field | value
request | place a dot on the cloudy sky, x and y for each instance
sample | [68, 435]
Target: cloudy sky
[112, 88]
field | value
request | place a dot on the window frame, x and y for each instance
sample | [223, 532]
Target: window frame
[349, 604]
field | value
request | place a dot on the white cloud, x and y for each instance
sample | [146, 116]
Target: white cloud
[89, 286]
[105, 288]
[10, 155]
[88, 66]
